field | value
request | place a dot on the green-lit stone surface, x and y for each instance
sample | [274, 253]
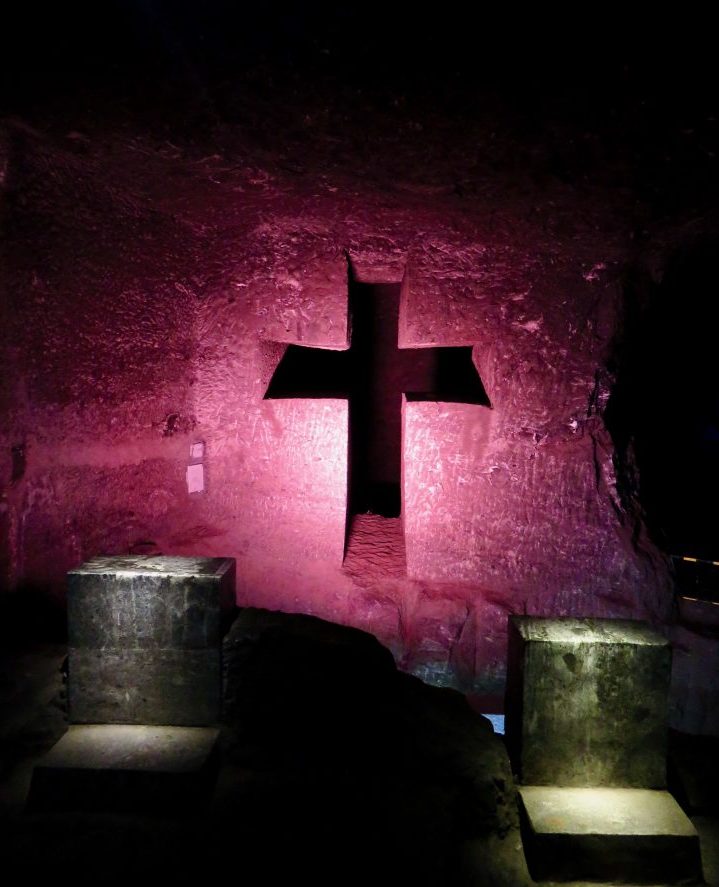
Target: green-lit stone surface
[587, 702]
[608, 834]
[144, 639]
[126, 767]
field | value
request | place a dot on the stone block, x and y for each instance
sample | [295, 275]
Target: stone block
[112, 686]
[145, 638]
[608, 834]
[587, 702]
[126, 768]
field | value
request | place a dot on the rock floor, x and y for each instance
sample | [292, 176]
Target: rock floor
[246, 801]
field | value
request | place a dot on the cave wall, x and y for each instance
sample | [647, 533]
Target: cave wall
[150, 291]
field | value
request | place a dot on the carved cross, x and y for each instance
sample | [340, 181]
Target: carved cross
[373, 374]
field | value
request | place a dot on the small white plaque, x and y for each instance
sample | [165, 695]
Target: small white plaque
[195, 478]
[197, 451]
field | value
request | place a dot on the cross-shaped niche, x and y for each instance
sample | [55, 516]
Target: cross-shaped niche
[374, 374]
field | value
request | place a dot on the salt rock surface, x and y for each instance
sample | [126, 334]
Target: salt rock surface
[152, 290]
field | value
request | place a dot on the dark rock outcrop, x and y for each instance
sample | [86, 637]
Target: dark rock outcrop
[335, 753]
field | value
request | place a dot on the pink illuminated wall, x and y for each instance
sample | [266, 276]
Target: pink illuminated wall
[149, 309]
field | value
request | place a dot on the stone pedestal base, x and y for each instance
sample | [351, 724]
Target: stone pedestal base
[127, 768]
[608, 834]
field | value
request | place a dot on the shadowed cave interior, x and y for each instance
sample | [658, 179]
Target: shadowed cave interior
[215, 224]
[666, 358]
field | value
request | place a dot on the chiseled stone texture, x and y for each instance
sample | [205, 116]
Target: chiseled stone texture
[587, 702]
[144, 639]
[151, 303]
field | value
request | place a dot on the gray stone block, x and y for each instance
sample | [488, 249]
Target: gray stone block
[126, 768]
[587, 702]
[180, 687]
[145, 639]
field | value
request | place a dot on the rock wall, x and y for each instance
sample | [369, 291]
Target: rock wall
[151, 289]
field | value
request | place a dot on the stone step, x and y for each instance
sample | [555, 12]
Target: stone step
[127, 768]
[608, 834]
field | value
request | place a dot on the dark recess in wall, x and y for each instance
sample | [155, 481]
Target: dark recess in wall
[666, 403]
